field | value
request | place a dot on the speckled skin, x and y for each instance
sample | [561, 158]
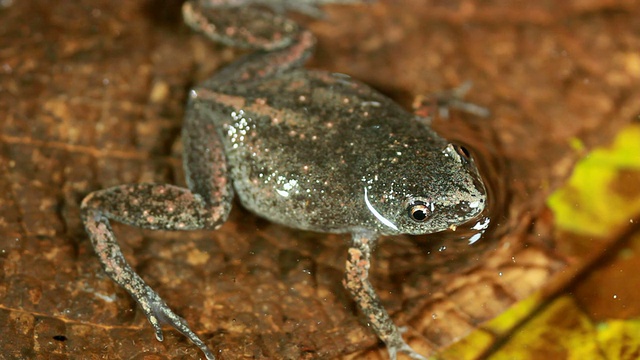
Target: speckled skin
[303, 146]
[307, 149]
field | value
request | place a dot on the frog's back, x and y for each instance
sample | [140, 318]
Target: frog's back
[302, 146]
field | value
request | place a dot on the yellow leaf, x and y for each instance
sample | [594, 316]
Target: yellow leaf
[604, 190]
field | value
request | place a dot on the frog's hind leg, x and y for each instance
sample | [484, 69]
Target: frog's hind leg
[205, 205]
[151, 206]
[203, 157]
[237, 24]
[281, 43]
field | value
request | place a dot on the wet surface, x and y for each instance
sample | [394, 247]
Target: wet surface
[92, 94]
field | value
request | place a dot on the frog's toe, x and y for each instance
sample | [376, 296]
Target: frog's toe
[158, 312]
[442, 102]
[312, 8]
[405, 349]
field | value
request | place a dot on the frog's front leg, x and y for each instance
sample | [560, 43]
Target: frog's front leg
[357, 282]
[442, 102]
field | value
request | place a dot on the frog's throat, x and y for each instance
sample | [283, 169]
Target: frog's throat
[375, 212]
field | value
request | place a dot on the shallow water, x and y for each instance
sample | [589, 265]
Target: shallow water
[457, 249]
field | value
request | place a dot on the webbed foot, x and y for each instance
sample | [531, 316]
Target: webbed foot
[158, 313]
[404, 348]
[441, 102]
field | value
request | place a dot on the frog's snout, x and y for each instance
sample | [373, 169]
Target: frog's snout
[470, 207]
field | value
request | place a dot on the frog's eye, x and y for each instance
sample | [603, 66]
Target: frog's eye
[419, 210]
[462, 151]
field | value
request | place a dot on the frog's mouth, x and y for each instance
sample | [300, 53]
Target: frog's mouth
[377, 214]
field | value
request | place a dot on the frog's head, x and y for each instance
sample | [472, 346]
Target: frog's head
[437, 190]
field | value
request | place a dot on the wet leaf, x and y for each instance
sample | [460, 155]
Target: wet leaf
[597, 199]
[579, 316]
[92, 95]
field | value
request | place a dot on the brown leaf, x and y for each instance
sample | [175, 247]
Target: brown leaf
[92, 94]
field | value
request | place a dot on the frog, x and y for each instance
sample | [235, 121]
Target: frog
[308, 149]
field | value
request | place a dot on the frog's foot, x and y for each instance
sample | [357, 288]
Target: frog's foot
[404, 348]
[307, 7]
[440, 103]
[158, 313]
[398, 345]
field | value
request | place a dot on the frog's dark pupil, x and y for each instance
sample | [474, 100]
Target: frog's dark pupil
[419, 215]
[418, 211]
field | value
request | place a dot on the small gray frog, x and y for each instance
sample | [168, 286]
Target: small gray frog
[308, 149]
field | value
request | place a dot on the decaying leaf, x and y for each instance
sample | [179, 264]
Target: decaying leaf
[92, 93]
